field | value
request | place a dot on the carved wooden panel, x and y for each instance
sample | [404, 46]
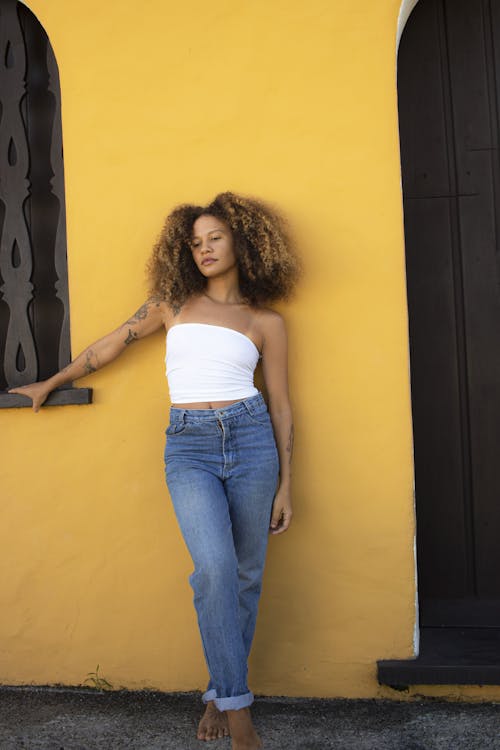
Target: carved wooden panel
[16, 261]
[61, 266]
[34, 308]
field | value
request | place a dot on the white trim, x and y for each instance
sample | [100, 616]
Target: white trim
[404, 12]
[416, 627]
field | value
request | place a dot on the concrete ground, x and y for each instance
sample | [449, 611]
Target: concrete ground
[83, 719]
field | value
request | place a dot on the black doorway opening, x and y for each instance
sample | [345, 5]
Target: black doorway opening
[449, 119]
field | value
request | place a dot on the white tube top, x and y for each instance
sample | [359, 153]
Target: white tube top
[206, 362]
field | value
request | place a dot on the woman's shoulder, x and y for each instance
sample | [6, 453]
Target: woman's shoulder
[170, 312]
[267, 314]
[268, 320]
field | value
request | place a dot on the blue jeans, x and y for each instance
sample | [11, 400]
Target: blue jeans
[222, 470]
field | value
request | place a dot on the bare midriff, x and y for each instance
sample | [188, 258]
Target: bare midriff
[206, 404]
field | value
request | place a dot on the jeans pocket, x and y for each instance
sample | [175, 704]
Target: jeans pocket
[261, 418]
[175, 428]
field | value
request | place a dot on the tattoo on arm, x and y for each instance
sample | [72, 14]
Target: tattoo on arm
[142, 312]
[88, 367]
[139, 315]
[132, 336]
[289, 445]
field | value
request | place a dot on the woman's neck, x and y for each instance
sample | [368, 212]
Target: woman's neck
[219, 290]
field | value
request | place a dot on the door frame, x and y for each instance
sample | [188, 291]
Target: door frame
[405, 10]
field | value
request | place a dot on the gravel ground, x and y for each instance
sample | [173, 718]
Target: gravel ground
[78, 719]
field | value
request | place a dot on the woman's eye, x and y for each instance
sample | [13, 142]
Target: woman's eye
[194, 245]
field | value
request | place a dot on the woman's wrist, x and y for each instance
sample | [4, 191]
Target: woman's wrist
[56, 380]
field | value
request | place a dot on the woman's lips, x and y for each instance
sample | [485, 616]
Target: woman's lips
[208, 261]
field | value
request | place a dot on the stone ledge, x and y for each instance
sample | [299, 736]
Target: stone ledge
[59, 397]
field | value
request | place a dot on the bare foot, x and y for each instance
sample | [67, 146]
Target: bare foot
[243, 731]
[213, 724]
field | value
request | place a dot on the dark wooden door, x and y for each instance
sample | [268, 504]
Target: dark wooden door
[449, 112]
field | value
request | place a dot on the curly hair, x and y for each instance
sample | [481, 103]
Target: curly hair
[267, 263]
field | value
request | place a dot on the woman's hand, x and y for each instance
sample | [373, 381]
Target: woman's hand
[37, 392]
[282, 511]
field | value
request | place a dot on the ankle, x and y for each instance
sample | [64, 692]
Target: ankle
[240, 724]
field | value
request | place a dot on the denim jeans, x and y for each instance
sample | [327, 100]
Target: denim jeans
[222, 470]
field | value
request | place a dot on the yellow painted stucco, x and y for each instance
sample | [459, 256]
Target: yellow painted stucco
[171, 102]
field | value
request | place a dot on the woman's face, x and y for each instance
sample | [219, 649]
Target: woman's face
[212, 246]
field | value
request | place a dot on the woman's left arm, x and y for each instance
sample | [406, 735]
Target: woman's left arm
[275, 371]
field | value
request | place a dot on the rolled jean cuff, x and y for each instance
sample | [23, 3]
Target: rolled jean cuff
[231, 703]
[209, 695]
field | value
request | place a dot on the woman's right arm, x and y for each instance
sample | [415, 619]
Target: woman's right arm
[146, 320]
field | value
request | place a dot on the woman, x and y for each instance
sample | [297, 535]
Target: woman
[227, 458]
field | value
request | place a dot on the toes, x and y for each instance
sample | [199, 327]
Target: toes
[215, 728]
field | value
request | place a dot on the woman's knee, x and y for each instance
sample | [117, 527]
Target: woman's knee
[215, 576]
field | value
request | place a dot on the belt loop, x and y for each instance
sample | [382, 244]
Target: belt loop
[248, 406]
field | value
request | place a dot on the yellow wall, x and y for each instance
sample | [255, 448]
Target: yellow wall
[294, 102]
